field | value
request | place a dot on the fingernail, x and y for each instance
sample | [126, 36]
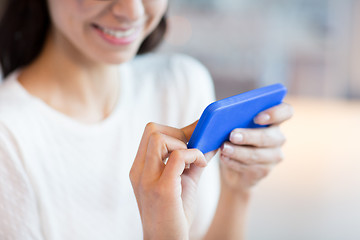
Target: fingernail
[262, 118]
[227, 149]
[236, 137]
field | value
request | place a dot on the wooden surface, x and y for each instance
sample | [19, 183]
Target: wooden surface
[315, 192]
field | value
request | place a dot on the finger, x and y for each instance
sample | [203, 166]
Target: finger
[194, 172]
[177, 161]
[159, 148]
[210, 155]
[258, 137]
[275, 115]
[188, 130]
[150, 129]
[252, 155]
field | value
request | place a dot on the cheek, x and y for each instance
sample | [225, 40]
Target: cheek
[89, 7]
[70, 15]
[154, 9]
[73, 18]
[63, 15]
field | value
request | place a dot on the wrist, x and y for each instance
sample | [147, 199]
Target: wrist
[230, 216]
[163, 231]
[234, 194]
[165, 237]
[234, 204]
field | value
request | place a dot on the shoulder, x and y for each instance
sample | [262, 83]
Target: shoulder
[14, 104]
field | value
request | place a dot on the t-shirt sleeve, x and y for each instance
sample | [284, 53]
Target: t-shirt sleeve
[198, 92]
[18, 210]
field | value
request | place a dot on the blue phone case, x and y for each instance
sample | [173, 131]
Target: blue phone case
[221, 117]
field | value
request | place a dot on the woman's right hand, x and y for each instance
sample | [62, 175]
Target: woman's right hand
[165, 193]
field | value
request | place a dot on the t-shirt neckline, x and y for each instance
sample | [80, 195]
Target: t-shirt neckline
[71, 122]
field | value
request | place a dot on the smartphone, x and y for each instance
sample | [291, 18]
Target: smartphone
[221, 117]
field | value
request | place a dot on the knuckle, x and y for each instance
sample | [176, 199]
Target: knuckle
[198, 153]
[151, 126]
[264, 138]
[291, 110]
[182, 145]
[287, 111]
[279, 136]
[282, 140]
[157, 138]
[248, 155]
[243, 155]
[253, 155]
[133, 175]
[280, 156]
[176, 155]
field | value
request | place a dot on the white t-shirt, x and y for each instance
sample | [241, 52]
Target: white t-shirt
[62, 179]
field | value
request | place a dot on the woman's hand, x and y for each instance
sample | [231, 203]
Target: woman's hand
[165, 193]
[251, 153]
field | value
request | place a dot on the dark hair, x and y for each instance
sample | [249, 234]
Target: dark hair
[23, 29]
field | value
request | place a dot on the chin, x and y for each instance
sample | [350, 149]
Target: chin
[114, 58]
[119, 59]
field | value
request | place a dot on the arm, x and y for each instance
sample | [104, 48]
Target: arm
[165, 193]
[244, 161]
[230, 216]
[19, 215]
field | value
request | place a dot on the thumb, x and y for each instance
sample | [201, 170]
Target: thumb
[188, 130]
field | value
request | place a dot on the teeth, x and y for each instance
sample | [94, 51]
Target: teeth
[118, 33]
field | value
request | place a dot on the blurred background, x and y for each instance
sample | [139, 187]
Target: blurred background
[312, 46]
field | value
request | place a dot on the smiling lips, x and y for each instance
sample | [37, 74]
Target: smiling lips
[118, 37]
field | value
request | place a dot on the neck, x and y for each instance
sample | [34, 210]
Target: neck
[70, 82]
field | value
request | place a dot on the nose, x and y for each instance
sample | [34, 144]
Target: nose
[128, 10]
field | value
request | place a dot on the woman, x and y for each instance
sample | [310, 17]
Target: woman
[73, 106]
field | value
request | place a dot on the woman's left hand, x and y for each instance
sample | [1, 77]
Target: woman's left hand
[251, 153]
